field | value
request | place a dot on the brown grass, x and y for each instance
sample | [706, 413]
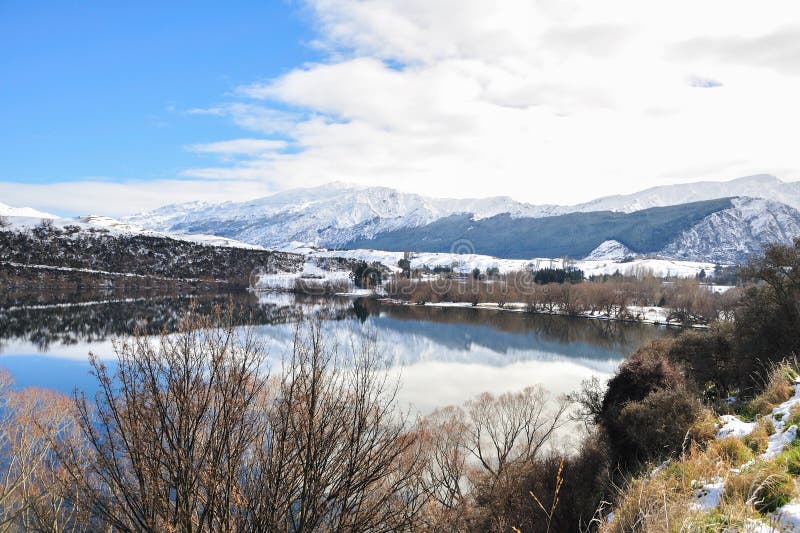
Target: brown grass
[758, 439]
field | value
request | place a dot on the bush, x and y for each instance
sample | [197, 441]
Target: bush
[709, 357]
[583, 478]
[658, 426]
[643, 427]
[768, 317]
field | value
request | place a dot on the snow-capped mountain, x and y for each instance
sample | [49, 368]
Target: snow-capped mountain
[8, 211]
[733, 234]
[336, 214]
[340, 215]
[758, 186]
[329, 215]
[25, 219]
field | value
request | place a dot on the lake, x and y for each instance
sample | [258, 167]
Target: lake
[441, 355]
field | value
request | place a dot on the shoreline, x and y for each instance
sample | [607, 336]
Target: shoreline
[520, 307]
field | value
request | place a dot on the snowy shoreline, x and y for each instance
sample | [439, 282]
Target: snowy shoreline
[655, 316]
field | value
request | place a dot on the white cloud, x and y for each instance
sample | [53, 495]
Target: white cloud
[239, 146]
[547, 101]
[114, 198]
[554, 101]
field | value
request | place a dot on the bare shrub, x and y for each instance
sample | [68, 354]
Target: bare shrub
[336, 456]
[478, 453]
[689, 303]
[31, 495]
[189, 434]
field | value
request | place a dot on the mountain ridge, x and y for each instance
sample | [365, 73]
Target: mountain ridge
[343, 216]
[340, 215]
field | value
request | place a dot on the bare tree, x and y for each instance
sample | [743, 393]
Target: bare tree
[30, 497]
[171, 430]
[339, 457]
[511, 427]
[446, 469]
[189, 434]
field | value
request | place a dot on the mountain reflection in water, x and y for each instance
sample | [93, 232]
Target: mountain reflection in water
[440, 355]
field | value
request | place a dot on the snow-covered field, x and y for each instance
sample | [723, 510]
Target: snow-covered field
[465, 263]
[311, 274]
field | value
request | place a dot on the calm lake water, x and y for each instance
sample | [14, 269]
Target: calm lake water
[441, 356]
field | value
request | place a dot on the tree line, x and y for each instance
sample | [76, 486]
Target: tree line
[689, 301]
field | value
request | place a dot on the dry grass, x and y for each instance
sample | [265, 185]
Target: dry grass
[765, 485]
[778, 387]
[758, 439]
[704, 428]
[661, 502]
[731, 451]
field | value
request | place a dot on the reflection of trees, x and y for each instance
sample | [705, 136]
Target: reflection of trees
[606, 334]
[91, 322]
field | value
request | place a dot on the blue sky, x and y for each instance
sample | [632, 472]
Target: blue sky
[119, 107]
[102, 89]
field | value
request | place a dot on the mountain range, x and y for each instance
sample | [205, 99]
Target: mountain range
[709, 221]
[703, 221]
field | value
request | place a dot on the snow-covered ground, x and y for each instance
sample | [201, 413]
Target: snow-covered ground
[311, 274]
[465, 263]
[708, 493]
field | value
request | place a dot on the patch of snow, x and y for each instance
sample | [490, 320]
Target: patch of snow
[783, 436]
[732, 426]
[310, 274]
[707, 494]
[778, 441]
[757, 526]
[788, 517]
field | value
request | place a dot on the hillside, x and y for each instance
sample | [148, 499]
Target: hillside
[340, 216]
[725, 230]
[96, 250]
[573, 234]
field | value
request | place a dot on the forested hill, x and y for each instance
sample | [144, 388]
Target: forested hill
[572, 234]
[141, 255]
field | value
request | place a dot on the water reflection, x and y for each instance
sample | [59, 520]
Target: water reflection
[441, 355]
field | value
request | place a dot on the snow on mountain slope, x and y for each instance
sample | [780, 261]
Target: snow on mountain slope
[610, 250]
[8, 211]
[107, 225]
[329, 215]
[758, 186]
[733, 234]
